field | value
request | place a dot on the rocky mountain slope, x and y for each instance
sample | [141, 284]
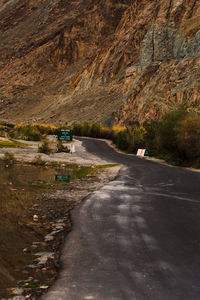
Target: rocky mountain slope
[125, 60]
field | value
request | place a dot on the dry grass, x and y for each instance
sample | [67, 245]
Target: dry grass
[6, 143]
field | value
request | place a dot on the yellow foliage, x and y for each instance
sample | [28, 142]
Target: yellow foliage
[40, 125]
[139, 131]
[118, 128]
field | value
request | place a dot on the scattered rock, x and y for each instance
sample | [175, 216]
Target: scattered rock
[44, 269]
[18, 291]
[31, 266]
[44, 287]
[34, 246]
[35, 218]
[43, 257]
[49, 237]
[19, 298]
[26, 250]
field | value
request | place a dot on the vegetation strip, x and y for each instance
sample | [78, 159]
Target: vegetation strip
[174, 138]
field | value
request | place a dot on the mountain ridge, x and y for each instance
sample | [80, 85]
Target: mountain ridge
[93, 61]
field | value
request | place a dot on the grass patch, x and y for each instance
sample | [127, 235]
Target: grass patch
[85, 171]
[11, 144]
[44, 186]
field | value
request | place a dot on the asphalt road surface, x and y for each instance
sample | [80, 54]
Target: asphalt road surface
[136, 238]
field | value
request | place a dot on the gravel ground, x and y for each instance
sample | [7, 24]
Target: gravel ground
[28, 154]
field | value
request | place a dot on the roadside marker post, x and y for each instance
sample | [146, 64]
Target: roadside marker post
[143, 152]
[72, 148]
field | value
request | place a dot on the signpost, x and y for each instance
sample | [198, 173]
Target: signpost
[143, 152]
[65, 135]
[62, 178]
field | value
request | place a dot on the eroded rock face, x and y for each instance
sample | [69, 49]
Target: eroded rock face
[67, 61]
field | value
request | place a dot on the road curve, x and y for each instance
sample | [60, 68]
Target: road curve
[137, 238]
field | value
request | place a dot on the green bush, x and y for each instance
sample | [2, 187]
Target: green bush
[175, 137]
[165, 133]
[197, 163]
[122, 140]
[188, 137]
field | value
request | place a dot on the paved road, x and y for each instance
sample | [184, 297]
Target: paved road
[136, 238]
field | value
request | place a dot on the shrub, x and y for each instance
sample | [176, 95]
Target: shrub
[165, 134]
[165, 141]
[188, 137]
[38, 161]
[197, 163]
[9, 158]
[45, 148]
[122, 140]
[95, 130]
[150, 135]
[33, 132]
[62, 148]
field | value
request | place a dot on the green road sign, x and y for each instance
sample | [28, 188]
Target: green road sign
[65, 135]
[62, 178]
[146, 153]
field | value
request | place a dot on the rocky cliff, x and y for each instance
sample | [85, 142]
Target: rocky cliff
[66, 61]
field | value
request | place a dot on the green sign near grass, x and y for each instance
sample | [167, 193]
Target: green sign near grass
[65, 135]
[62, 178]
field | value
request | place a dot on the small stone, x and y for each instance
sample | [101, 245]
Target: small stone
[48, 238]
[18, 291]
[32, 232]
[33, 246]
[30, 279]
[31, 267]
[35, 218]
[18, 298]
[19, 282]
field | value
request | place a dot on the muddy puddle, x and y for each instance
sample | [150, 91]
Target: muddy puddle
[23, 190]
